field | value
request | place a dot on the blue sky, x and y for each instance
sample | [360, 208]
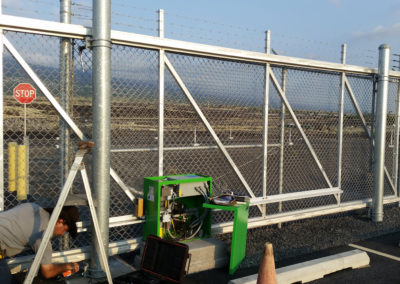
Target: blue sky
[308, 28]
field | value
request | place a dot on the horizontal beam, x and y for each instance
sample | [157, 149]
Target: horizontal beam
[206, 147]
[118, 37]
[295, 196]
[21, 263]
[227, 227]
[75, 255]
[230, 53]
[35, 26]
[125, 220]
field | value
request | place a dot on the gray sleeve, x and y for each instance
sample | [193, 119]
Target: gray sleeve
[47, 255]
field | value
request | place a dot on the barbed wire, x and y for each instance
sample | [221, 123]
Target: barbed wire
[133, 17]
[51, 3]
[81, 6]
[129, 17]
[28, 11]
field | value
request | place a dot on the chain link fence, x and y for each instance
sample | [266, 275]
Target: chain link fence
[231, 96]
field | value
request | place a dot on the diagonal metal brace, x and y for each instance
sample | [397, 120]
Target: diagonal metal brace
[76, 166]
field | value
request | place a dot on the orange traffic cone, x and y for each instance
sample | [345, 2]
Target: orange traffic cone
[266, 272]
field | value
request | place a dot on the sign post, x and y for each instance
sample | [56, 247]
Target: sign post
[25, 94]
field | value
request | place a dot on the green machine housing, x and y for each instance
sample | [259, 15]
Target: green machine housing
[173, 206]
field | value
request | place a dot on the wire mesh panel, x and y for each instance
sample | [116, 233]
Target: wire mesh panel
[41, 133]
[357, 170]
[391, 156]
[213, 125]
[230, 96]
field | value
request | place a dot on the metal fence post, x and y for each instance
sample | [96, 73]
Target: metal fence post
[101, 52]
[396, 168]
[340, 122]
[265, 121]
[161, 96]
[396, 139]
[65, 91]
[380, 138]
[282, 147]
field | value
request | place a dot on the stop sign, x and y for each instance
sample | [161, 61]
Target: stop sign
[24, 93]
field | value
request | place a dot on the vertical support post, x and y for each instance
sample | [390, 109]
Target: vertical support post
[282, 147]
[396, 139]
[380, 139]
[396, 169]
[268, 42]
[340, 122]
[101, 58]
[161, 67]
[1, 119]
[265, 122]
[65, 91]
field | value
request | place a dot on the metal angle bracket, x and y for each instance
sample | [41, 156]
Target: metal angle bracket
[88, 45]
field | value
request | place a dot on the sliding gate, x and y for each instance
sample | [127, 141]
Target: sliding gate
[293, 134]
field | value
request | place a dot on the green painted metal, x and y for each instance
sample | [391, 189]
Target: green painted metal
[239, 234]
[153, 187]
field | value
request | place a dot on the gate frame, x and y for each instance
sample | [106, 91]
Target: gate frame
[27, 25]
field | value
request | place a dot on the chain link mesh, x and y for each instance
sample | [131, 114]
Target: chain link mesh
[230, 95]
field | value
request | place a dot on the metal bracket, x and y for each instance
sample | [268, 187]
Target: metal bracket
[88, 42]
[88, 45]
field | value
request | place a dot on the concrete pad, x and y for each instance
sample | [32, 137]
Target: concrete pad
[314, 269]
[207, 254]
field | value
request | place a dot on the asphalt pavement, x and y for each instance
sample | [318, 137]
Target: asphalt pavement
[384, 267]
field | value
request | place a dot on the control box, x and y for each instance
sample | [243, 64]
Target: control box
[173, 207]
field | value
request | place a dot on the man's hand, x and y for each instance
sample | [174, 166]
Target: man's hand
[53, 269]
[74, 267]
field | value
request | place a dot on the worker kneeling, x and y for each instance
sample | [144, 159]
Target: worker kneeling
[23, 226]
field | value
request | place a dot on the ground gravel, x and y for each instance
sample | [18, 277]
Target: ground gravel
[311, 235]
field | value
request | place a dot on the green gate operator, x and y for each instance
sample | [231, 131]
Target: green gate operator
[173, 207]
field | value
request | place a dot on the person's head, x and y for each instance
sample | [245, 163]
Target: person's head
[66, 222]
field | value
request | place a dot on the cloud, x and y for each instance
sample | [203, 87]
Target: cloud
[379, 32]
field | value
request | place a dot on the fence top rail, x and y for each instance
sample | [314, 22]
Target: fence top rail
[22, 24]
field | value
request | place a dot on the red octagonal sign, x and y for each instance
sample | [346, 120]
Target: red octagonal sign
[24, 93]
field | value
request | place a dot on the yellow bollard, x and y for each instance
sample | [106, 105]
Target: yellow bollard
[12, 166]
[139, 207]
[21, 172]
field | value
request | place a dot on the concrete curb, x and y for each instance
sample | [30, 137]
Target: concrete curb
[314, 269]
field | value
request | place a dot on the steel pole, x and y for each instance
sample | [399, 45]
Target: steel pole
[265, 121]
[380, 138]
[282, 147]
[340, 122]
[161, 97]
[65, 91]
[101, 64]
[396, 169]
[396, 140]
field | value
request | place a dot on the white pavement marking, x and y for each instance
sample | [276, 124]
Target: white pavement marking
[375, 252]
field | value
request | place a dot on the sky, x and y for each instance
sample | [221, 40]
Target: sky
[309, 24]
[309, 28]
